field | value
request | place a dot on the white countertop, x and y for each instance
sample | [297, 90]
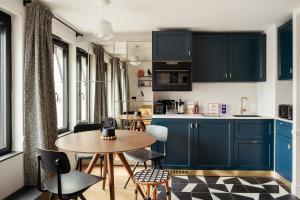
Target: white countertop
[199, 116]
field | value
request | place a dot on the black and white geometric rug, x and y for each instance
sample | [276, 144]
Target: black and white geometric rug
[227, 188]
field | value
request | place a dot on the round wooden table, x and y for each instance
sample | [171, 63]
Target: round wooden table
[91, 142]
[134, 120]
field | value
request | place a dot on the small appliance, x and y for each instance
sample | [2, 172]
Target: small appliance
[160, 106]
[285, 111]
[180, 107]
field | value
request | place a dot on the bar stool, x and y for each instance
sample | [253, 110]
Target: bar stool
[151, 178]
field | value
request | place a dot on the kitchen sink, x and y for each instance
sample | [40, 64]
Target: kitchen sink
[246, 116]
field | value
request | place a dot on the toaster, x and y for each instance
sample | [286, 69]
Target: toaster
[285, 111]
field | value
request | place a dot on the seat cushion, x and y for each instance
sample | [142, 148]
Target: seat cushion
[72, 182]
[143, 155]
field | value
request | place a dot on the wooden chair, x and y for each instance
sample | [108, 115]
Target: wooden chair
[144, 155]
[152, 178]
[67, 183]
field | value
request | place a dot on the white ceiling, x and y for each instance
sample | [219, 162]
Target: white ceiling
[135, 16]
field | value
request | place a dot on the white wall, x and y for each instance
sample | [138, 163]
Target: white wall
[12, 169]
[11, 175]
[225, 93]
[266, 91]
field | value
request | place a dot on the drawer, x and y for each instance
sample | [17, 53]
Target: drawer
[284, 128]
[254, 129]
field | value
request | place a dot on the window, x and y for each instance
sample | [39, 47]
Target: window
[5, 83]
[82, 86]
[61, 84]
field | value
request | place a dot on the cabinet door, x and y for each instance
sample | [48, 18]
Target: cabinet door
[285, 51]
[284, 156]
[253, 155]
[178, 144]
[171, 46]
[247, 57]
[254, 129]
[213, 144]
[210, 57]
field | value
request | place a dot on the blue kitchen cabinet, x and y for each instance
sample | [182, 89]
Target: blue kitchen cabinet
[285, 51]
[229, 57]
[210, 57]
[284, 152]
[254, 129]
[208, 144]
[171, 46]
[253, 144]
[246, 57]
[253, 154]
[178, 144]
[213, 144]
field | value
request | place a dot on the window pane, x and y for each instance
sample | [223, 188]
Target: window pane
[2, 98]
[59, 84]
[83, 89]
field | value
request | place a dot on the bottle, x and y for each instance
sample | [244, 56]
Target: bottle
[196, 108]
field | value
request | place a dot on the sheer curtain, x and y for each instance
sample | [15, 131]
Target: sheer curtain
[40, 120]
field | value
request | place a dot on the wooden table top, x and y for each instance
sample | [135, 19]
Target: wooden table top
[134, 117]
[91, 142]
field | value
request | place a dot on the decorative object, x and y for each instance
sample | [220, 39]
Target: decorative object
[137, 113]
[136, 56]
[108, 134]
[214, 108]
[104, 28]
[141, 73]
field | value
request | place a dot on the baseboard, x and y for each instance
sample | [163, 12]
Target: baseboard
[282, 179]
[220, 172]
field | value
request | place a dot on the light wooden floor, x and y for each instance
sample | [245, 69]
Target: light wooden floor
[96, 193]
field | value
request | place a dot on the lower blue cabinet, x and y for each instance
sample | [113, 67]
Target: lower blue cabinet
[178, 144]
[213, 144]
[284, 152]
[208, 144]
[253, 154]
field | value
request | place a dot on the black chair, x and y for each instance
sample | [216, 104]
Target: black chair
[144, 155]
[66, 183]
[86, 156]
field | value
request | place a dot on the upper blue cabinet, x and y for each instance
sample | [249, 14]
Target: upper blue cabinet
[285, 51]
[229, 57]
[171, 46]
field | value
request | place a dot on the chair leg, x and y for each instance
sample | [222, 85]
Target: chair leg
[136, 192]
[80, 164]
[129, 177]
[101, 165]
[104, 172]
[168, 194]
[77, 165]
[145, 165]
[51, 196]
[159, 164]
[155, 193]
[82, 197]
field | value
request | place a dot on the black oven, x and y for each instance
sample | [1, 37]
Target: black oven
[172, 76]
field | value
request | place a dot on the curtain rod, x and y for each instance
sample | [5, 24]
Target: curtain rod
[25, 2]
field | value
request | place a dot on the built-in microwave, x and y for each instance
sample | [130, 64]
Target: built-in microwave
[172, 76]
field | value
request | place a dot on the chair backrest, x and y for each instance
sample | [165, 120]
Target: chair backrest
[108, 122]
[160, 132]
[51, 159]
[86, 127]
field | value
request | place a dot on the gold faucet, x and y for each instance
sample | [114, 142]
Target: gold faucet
[243, 105]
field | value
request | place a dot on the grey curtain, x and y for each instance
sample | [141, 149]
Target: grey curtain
[100, 108]
[40, 122]
[125, 87]
[118, 105]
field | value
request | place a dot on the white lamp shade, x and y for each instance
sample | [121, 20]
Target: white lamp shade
[104, 30]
